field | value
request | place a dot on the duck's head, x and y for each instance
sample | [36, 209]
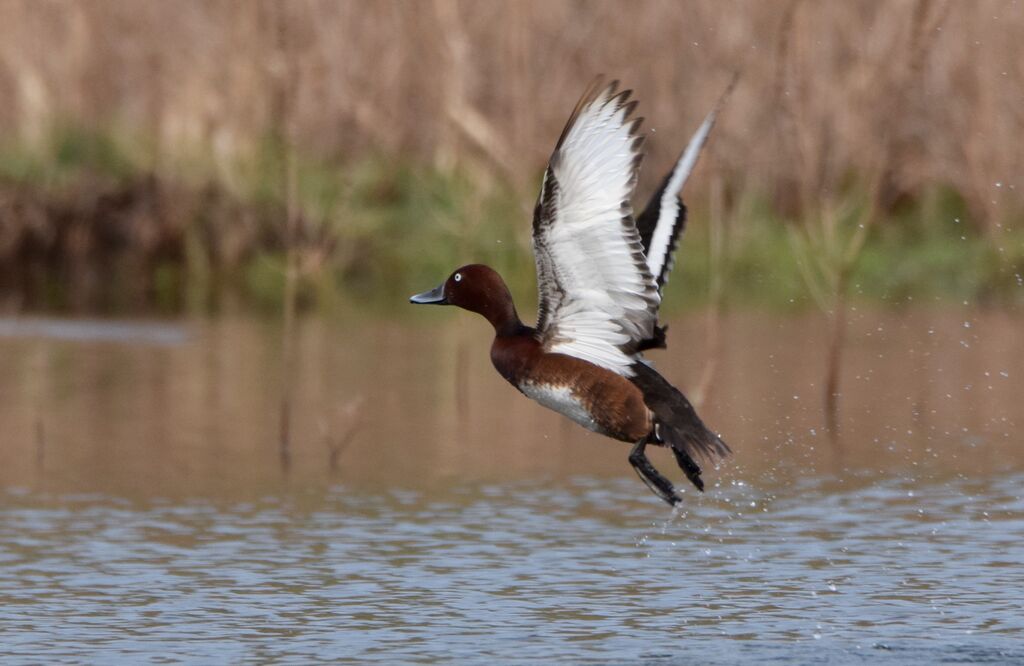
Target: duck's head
[476, 288]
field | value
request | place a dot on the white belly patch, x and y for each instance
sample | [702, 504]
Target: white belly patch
[560, 399]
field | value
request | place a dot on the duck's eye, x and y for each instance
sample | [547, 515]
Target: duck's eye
[457, 277]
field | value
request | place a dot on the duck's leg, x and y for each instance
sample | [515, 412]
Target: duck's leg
[689, 466]
[658, 484]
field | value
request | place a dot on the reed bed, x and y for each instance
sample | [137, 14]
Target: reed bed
[427, 123]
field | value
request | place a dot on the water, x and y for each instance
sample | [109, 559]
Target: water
[146, 513]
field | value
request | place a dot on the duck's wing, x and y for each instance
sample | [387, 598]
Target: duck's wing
[663, 220]
[598, 299]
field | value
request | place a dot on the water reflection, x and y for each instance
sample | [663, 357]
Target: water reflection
[200, 417]
[144, 513]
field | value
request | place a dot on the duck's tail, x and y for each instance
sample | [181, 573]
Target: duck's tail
[677, 425]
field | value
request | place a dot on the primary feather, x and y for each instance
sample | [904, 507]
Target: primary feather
[598, 298]
[664, 218]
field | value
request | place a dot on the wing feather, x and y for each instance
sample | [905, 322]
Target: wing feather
[598, 299]
[664, 218]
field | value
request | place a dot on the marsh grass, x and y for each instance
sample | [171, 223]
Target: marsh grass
[90, 224]
[133, 178]
[454, 82]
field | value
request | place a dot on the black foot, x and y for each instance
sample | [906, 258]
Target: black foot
[658, 484]
[689, 467]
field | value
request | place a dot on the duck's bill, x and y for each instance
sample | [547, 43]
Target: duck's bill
[433, 297]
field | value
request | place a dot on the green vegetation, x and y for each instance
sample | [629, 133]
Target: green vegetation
[90, 225]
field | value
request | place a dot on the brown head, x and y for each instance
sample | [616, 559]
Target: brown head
[480, 289]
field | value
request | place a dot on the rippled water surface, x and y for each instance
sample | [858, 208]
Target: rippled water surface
[425, 512]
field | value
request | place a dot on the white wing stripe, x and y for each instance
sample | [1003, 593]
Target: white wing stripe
[661, 241]
[597, 297]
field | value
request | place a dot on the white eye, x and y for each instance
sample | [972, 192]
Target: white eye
[458, 277]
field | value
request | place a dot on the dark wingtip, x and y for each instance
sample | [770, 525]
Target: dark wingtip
[630, 106]
[593, 90]
[596, 89]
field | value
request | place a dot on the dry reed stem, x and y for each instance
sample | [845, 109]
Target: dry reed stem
[346, 424]
[285, 81]
[713, 326]
[826, 251]
[378, 78]
[40, 443]
[718, 252]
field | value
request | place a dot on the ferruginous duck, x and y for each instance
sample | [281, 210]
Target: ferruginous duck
[599, 273]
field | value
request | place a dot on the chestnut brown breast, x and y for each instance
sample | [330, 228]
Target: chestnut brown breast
[594, 397]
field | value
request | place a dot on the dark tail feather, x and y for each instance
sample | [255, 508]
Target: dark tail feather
[691, 441]
[677, 424]
[687, 434]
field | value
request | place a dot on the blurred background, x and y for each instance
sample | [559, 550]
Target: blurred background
[145, 148]
[245, 193]
[226, 436]
[248, 192]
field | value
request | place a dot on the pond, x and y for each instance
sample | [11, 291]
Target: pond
[426, 512]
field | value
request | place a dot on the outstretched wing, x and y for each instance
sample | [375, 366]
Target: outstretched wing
[663, 220]
[598, 299]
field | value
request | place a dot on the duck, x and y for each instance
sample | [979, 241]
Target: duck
[600, 274]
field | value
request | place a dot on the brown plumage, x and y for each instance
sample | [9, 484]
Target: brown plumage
[598, 298]
[614, 403]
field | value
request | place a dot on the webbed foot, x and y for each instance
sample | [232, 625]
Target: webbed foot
[658, 484]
